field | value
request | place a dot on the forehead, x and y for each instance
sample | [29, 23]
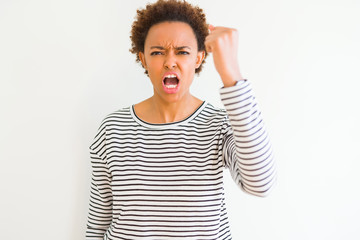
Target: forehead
[171, 34]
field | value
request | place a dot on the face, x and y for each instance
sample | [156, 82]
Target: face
[171, 56]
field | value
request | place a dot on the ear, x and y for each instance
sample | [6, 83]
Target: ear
[199, 58]
[142, 59]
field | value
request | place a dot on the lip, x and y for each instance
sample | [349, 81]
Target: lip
[171, 90]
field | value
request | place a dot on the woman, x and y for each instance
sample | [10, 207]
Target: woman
[158, 165]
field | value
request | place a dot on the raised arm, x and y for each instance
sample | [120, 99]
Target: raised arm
[247, 150]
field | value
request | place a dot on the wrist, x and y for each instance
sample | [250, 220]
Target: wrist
[231, 80]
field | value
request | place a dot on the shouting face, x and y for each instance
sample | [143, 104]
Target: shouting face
[171, 56]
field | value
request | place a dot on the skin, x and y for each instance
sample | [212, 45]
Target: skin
[172, 47]
[222, 42]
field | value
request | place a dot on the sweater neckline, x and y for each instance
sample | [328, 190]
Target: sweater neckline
[166, 125]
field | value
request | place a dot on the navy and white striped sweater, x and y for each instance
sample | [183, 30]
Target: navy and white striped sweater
[165, 181]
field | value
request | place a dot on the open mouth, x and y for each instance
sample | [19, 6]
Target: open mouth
[171, 81]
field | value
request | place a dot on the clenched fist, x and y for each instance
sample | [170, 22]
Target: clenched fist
[222, 42]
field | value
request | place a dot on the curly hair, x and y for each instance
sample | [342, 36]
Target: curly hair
[168, 11]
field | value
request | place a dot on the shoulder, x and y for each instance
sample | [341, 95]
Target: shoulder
[122, 115]
[114, 121]
[214, 111]
[211, 112]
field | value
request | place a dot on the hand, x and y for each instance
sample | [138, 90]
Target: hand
[222, 42]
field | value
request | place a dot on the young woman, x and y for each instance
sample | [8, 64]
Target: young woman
[158, 165]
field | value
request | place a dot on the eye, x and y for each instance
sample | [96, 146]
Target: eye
[183, 53]
[155, 53]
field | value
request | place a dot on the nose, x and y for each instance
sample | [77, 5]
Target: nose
[170, 61]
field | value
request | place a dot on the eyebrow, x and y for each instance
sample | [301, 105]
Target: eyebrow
[177, 48]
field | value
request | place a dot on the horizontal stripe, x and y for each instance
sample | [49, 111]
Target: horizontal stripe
[164, 181]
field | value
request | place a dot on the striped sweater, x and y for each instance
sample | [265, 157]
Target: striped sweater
[165, 181]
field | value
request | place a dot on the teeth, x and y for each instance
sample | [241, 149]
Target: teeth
[170, 86]
[171, 76]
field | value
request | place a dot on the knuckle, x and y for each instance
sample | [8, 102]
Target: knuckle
[233, 32]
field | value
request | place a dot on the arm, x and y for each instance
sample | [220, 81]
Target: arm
[247, 150]
[100, 206]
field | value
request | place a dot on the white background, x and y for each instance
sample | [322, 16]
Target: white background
[64, 65]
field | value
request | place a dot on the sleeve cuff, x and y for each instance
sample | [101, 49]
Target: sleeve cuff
[224, 90]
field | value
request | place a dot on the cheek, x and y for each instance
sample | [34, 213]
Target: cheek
[192, 66]
[154, 65]
[191, 63]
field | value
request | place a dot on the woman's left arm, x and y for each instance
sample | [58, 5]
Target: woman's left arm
[247, 149]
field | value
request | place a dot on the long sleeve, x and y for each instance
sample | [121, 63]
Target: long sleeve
[247, 150]
[100, 206]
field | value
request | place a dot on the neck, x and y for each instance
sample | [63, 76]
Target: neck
[167, 112]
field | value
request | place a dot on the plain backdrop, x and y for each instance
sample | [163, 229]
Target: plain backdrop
[65, 65]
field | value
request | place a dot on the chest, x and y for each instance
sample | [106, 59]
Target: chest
[171, 156]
